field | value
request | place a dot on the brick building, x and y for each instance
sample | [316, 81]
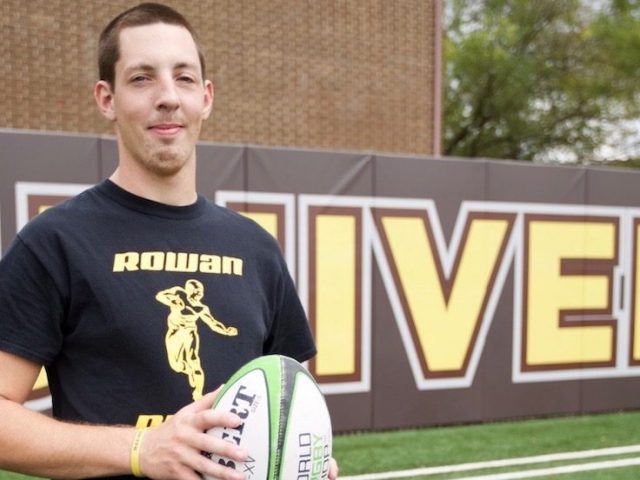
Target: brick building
[326, 74]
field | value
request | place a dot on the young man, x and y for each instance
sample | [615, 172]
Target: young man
[83, 287]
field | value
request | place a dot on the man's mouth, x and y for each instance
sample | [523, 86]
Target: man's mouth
[166, 129]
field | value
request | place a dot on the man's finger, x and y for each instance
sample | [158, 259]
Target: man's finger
[204, 403]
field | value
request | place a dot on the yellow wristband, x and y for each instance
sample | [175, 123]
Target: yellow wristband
[135, 451]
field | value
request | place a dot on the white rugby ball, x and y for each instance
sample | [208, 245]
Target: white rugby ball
[286, 427]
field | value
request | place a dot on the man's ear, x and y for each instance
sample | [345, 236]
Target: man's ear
[208, 99]
[103, 94]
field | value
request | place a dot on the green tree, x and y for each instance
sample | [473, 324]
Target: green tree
[530, 80]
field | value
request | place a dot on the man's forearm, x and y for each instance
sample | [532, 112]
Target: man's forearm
[34, 444]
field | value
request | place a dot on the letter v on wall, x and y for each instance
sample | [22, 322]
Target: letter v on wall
[443, 299]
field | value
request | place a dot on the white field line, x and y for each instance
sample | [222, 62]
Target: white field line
[510, 462]
[543, 472]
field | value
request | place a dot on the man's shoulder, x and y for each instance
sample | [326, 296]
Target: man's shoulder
[236, 225]
[235, 219]
[66, 215]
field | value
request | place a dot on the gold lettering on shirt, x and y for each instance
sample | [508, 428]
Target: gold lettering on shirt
[176, 262]
[145, 421]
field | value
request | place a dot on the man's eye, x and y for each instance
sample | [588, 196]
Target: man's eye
[139, 79]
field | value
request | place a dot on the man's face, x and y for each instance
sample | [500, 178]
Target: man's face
[159, 99]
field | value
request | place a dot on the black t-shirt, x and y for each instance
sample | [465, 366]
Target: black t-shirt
[136, 307]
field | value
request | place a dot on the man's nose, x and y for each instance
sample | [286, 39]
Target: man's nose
[167, 95]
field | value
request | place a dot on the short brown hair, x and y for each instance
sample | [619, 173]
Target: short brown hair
[143, 14]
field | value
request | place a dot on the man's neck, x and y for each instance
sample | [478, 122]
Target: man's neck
[177, 190]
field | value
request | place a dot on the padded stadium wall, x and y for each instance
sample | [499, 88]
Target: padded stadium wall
[439, 291]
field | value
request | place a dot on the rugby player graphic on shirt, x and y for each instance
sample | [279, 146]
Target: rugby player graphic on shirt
[182, 340]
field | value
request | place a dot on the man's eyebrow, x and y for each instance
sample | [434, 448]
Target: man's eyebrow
[186, 66]
[145, 67]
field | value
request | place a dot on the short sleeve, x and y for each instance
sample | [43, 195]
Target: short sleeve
[290, 334]
[31, 306]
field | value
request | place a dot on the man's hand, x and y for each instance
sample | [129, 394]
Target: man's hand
[333, 469]
[174, 449]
